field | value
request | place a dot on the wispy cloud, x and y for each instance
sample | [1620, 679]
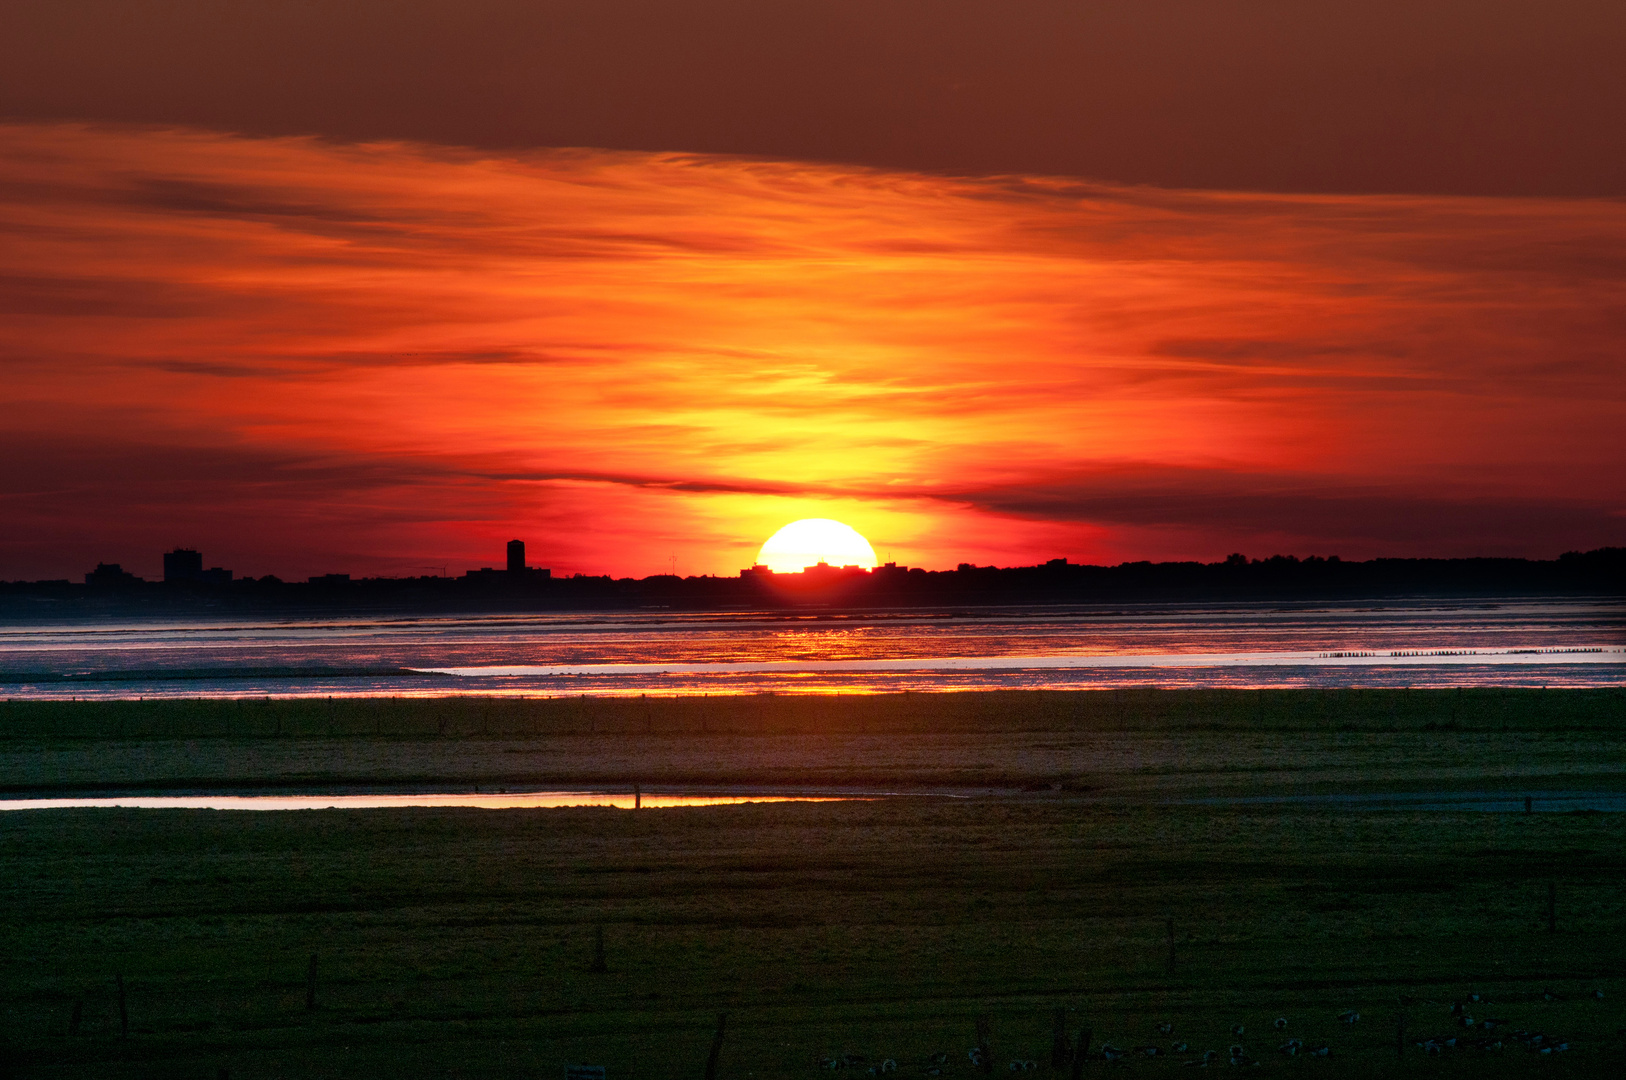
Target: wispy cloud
[622, 356]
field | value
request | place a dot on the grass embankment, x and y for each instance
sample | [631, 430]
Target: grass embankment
[1150, 742]
[460, 943]
[766, 714]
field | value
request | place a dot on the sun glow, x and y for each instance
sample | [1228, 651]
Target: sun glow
[811, 541]
[304, 351]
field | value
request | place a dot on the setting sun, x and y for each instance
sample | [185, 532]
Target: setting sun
[810, 541]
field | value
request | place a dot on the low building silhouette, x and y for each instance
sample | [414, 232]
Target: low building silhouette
[110, 575]
[516, 556]
[184, 564]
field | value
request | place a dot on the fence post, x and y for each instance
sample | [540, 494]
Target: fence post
[1060, 1049]
[983, 1051]
[598, 949]
[1552, 907]
[310, 986]
[1171, 946]
[124, 1013]
[716, 1047]
[1081, 1050]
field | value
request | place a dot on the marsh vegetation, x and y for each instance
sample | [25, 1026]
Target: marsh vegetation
[464, 943]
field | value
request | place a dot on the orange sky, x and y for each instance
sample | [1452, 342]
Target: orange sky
[304, 356]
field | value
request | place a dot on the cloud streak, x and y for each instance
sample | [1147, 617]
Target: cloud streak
[622, 356]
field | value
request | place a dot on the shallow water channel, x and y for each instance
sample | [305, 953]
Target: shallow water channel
[486, 801]
[1413, 801]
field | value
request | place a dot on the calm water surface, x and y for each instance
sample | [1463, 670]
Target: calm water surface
[1516, 642]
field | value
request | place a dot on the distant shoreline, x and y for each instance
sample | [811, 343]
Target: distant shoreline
[1600, 573]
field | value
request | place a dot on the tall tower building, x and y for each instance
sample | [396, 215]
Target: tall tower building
[182, 564]
[516, 556]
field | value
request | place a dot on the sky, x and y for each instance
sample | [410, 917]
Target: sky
[373, 288]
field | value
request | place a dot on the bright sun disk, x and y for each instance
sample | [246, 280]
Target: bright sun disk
[810, 541]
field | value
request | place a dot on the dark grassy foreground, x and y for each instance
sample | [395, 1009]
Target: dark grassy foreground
[461, 943]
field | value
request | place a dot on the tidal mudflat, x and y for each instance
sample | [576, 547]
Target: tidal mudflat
[466, 942]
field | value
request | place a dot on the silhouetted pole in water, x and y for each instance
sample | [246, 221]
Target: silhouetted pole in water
[1400, 1028]
[1527, 805]
[1552, 908]
[637, 796]
[716, 1047]
[124, 1013]
[1171, 946]
[310, 985]
[77, 1017]
[598, 949]
[987, 1055]
[1060, 1050]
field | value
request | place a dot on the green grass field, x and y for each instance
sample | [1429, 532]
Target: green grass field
[460, 943]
